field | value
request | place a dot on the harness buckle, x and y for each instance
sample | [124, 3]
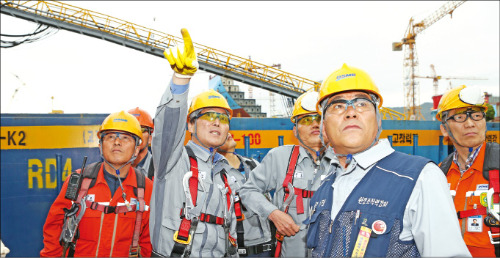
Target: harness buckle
[134, 251]
[494, 238]
[180, 241]
[109, 209]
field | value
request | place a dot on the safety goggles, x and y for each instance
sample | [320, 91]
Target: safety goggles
[471, 96]
[309, 119]
[339, 106]
[211, 116]
[111, 137]
[146, 129]
[474, 114]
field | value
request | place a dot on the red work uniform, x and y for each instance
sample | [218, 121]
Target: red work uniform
[110, 233]
[477, 240]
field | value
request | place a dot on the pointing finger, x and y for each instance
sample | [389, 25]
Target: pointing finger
[188, 43]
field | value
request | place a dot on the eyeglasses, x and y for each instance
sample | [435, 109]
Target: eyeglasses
[211, 116]
[146, 129]
[308, 120]
[339, 107]
[111, 137]
[462, 117]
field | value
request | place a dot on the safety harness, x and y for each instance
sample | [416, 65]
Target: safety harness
[89, 179]
[491, 167]
[184, 236]
[299, 193]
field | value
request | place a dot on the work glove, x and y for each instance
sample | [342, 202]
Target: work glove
[182, 58]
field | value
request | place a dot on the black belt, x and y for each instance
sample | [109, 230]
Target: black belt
[255, 249]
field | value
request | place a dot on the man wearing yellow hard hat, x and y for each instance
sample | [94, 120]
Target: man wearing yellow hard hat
[375, 202]
[192, 203]
[108, 201]
[294, 172]
[472, 170]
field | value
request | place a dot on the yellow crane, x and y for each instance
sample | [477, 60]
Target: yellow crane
[86, 22]
[410, 61]
[435, 78]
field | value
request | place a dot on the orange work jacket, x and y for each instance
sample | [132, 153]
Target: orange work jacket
[114, 237]
[478, 242]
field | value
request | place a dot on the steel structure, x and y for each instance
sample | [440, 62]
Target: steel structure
[435, 78]
[410, 62]
[94, 24]
[75, 19]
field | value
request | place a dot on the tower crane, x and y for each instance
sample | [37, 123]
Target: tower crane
[410, 62]
[435, 78]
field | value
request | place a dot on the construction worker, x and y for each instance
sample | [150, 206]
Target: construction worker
[253, 231]
[294, 172]
[112, 202]
[472, 169]
[192, 204]
[144, 157]
[375, 202]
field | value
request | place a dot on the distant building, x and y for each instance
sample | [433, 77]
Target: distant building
[241, 106]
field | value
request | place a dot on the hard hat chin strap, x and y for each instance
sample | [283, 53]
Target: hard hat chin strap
[318, 152]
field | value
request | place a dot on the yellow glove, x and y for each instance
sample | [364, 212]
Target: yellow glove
[183, 63]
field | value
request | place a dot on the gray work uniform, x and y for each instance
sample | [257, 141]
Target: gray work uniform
[269, 175]
[171, 162]
[256, 228]
[145, 164]
[429, 218]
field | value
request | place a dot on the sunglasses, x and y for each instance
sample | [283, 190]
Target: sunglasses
[146, 129]
[212, 116]
[308, 120]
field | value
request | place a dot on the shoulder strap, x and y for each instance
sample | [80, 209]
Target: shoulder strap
[89, 178]
[446, 164]
[141, 181]
[491, 160]
[291, 165]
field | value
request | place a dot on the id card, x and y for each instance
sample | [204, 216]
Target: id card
[475, 223]
[361, 242]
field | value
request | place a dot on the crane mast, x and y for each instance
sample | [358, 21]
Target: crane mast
[410, 61]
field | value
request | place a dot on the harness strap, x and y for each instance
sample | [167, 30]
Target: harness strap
[472, 212]
[289, 179]
[134, 247]
[182, 237]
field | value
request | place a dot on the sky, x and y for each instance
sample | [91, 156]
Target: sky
[80, 74]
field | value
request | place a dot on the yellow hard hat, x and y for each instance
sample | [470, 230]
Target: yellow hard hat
[347, 78]
[121, 121]
[305, 104]
[459, 97]
[209, 98]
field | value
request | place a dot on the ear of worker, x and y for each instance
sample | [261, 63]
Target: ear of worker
[182, 58]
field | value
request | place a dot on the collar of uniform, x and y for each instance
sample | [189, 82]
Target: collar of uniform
[478, 162]
[129, 180]
[202, 153]
[369, 157]
[377, 152]
[328, 153]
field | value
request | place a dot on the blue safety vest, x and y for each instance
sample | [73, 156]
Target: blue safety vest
[378, 202]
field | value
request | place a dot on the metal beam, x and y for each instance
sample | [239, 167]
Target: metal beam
[204, 64]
